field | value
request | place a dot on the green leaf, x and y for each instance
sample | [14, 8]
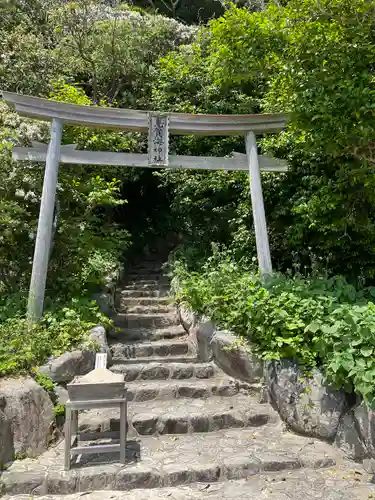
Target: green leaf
[366, 351]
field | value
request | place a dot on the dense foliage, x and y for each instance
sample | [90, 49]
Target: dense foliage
[318, 321]
[72, 52]
[65, 325]
[311, 59]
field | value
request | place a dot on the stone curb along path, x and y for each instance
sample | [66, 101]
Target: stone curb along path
[195, 432]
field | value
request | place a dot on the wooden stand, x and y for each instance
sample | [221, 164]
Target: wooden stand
[71, 429]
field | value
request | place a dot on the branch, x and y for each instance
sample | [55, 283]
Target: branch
[168, 7]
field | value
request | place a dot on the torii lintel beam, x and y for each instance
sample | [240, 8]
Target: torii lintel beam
[69, 154]
[138, 121]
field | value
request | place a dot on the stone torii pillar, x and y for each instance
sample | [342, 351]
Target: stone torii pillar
[259, 216]
[44, 231]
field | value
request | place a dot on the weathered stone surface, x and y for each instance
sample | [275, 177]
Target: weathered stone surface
[173, 424]
[105, 301]
[183, 371]
[6, 435]
[66, 367]
[364, 420]
[197, 415]
[98, 335]
[186, 317]
[145, 304]
[200, 339]
[164, 370]
[154, 372]
[30, 411]
[348, 439]
[356, 434]
[185, 459]
[154, 320]
[306, 404]
[61, 395]
[339, 483]
[147, 334]
[204, 370]
[234, 359]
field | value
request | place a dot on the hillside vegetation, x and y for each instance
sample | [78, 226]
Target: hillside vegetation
[311, 59]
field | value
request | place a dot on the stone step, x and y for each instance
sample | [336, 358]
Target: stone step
[164, 370]
[146, 301]
[184, 417]
[159, 348]
[191, 388]
[146, 309]
[140, 281]
[145, 304]
[148, 334]
[154, 359]
[333, 483]
[166, 461]
[147, 283]
[140, 285]
[152, 275]
[145, 293]
[148, 268]
[154, 320]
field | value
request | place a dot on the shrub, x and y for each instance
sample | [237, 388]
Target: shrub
[24, 346]
[316, 320]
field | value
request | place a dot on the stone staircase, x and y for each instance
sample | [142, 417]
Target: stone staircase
[194, 432]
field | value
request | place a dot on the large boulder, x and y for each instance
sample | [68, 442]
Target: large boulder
[364, 421]
[305, 403]
[106, 303]
[69, 365]
[98, 336]
[200, 338]
[30, 411]
[356, 434]
[348, 438]
[6, 436]
[234, 358]
[186, 317]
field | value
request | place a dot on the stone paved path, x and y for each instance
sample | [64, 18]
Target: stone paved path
[194, 433]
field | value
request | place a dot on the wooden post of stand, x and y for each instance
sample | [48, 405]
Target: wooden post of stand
[260, 225]
[44, 232]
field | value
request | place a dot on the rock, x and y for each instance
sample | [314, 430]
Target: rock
[62, 395]
[348, 439]
[200, 339]
[306, 404]
[364, 422]
[369, 465]
[105, 303]
[66, 367]
[186, 317]
[30, 411]
[356, 435]
[234, 359]
[6, 435]
[98, 335]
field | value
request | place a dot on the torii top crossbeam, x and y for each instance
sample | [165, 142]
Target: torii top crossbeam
[158, 126]
[138, 121]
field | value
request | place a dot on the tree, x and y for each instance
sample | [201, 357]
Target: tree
[113, 52]
[315, 61]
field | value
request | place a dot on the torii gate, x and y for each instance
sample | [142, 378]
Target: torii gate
[158, 126]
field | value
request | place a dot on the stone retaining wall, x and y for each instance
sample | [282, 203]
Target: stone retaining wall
[304, 401]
